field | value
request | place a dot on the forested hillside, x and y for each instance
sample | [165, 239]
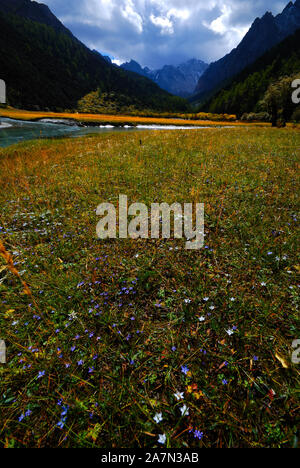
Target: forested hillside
[264, 34]
[46, 68]
[249, 87]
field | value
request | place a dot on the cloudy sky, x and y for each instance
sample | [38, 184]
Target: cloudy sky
[159, 32]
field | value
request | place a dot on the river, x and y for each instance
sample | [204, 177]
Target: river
[16, 131]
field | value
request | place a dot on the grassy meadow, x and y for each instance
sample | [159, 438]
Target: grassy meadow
[119, 343]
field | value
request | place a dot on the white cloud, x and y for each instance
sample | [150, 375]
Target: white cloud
[129, 13]
[158, 32]
[165, 25]
[117, 62]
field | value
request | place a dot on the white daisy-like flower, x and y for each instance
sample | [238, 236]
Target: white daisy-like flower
[202, 319]
[230, 332]
[158, 418]
[162, 439]
[232, 299]
[185, 411]
[179, 396]
[187, 301]
[263, 284]
[206, 299]
[72, 315]
[212, 307]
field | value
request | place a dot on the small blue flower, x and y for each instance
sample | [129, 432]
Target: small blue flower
[185, 370]
[198, 435]
[61, 424]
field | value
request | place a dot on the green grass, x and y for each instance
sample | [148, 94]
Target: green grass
[241, 390]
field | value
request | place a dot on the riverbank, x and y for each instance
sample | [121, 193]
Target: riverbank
[17, 131]
[117, 120]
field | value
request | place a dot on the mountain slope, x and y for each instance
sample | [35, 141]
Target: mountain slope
[45, 66]
[264, 34]
[180, 80]
[249, 87]
[33, 11]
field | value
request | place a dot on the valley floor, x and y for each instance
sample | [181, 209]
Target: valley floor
[117, 120]
[103, 336]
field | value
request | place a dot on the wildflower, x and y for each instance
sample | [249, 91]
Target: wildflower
[174, 349]
[206, 299]
[72, 315]
[198, 434]
[230, 332]
[158, 418]
[185, 411]
[224, 382]
[179, 396]
[263, 284]
[202, 319]
[162, 438]
[21, 417]
[185, 370]
[80, 363]
[65, 411]
[61, 424]
[41, 374]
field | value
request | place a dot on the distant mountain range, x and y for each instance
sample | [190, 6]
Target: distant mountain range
[265, 33]
[181, 80]
[45, 66]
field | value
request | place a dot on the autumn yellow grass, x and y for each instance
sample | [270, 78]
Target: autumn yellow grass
[117, 119]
